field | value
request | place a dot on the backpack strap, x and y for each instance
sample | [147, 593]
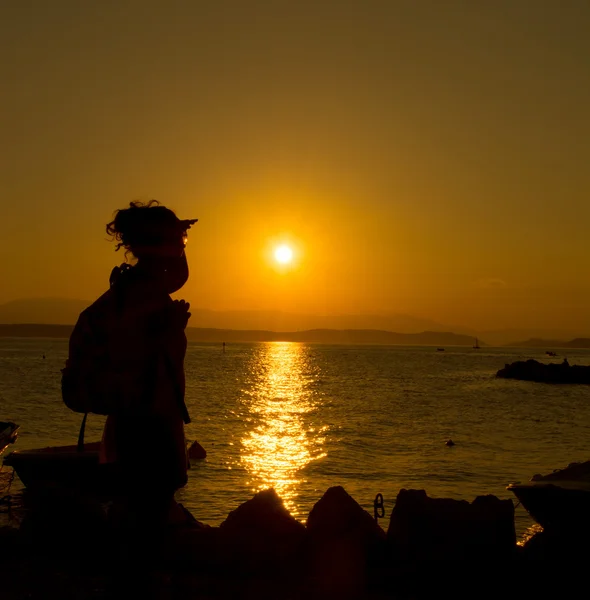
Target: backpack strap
[81, 434]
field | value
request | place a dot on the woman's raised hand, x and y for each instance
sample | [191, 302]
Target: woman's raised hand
[180, 313]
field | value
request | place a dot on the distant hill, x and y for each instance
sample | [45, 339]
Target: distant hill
[284, 321]
[65, 312]
[324, 336]
[50, 311]
[550, 344]
[510, 337]
[36, 330]
[333, 336]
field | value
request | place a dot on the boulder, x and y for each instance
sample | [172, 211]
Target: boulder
[11, 542]
[260, 534]
[191, 548]
[338, 514]
[344, 541]
[423, 528]
[533, 370]
[64, 522]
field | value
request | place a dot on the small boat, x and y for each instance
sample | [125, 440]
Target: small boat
[8, 434]
[74, 467]
[559, 500]
[550, 353]
[476, 345]
[440, 349]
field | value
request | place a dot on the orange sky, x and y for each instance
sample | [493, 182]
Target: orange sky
[423, 157]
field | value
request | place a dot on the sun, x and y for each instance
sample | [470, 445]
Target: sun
[283, 254]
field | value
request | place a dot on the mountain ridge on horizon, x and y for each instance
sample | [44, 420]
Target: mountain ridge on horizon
[322, 336]
[65, 311]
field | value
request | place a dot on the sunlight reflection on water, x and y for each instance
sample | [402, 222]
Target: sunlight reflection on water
[280, 444]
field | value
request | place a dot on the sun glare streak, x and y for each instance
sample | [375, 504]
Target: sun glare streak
[281, 444]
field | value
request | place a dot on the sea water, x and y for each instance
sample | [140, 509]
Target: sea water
[304, 417]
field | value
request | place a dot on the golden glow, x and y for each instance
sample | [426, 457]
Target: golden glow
[361, 175]
[282, 441]
[283, 254]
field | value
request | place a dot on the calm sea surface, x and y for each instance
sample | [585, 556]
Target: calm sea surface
[304, 417]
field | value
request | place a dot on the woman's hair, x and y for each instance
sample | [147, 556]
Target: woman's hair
[143, 224]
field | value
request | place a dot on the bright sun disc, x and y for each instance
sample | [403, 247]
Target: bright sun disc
[283, 254]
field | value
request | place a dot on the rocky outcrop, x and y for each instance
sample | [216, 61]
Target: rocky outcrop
[338, 514]
[533, 370]
[423, 528]
[61, 520]
[260, 533]
[344, 541]
[433, 547]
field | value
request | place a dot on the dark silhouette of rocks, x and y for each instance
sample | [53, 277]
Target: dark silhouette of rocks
[67, 548]
[52, 522]
[533, 370]
[343, 542]
[260, 532]
[423, 528]
[338, 514]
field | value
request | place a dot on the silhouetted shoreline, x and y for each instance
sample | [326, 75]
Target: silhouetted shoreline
[449, 548]
[328, 336]
[321, 336]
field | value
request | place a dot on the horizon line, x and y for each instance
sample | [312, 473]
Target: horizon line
[19, 327]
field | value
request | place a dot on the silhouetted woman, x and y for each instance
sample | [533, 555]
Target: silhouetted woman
[145, 438]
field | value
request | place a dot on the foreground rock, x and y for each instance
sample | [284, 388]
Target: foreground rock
[260, 534]
[533, 370]
[344, 542]
[433, 548]
[442, 529]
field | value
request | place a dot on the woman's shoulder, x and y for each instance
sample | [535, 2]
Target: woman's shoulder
[130, 298]
[132, 285]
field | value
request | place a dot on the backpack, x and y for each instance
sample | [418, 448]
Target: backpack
[96, 377]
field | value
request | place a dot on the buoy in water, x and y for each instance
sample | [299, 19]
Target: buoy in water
[196, 451]
[449, 443]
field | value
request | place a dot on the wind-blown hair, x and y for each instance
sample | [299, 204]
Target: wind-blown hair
[144, 224]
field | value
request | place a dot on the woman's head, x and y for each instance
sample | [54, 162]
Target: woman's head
[156, 237]
[149, 229]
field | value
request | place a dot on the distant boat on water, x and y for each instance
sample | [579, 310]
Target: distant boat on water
[476, 345]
